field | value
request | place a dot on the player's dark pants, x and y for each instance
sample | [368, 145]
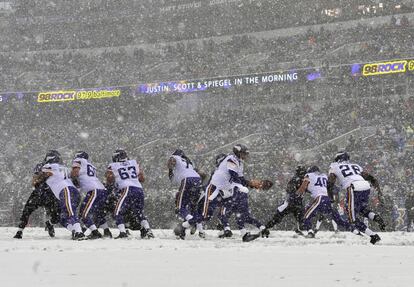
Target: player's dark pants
[287, 208]
[357, 207]
[131, 201]
[240, 206]
[69, 200]
[186, 200]
[323, 205]
[41, 198]
[209, 206]
[92, 207]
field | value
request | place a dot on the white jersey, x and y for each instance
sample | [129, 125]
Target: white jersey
[182, 170]
[87, 175]
[59, 178]
[349, 173]
[318, 184]
[221, 177]
[126, 173]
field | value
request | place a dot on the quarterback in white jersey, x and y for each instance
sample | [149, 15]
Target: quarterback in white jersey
[224, 177]
[92, 207]
[127, 177]
[228, 181]
[356, 182]
[64, 190]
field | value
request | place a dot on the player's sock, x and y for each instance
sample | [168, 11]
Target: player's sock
[104, 226]
[369, 232]
[92, 227]
[145, 224]
[69, 227]
[200, 227]
[77, 228]
[335, 225]
[121, 228]
[186, 224]
[318, 224]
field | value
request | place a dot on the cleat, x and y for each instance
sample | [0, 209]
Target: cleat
[299, 232]
[316, 231]
[226, 234]
[50, 229]
[84, 229]
[265, 233]
[378, 219]
[250, 237]
[128, 232]
[107, 233]
[122, 235]
[310, 235]
[79, 236]
[19, 235]
[179, 231]
[95, 234]
[375, 238]
[146, 233]
[193, 229]
[202, 234]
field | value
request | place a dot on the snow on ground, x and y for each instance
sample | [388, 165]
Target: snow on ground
[282, 260]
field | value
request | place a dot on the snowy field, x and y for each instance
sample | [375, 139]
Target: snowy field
[282, 260]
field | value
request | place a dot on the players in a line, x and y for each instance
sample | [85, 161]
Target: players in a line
[94, 195]
[127, 176]
[356, 182]
[181, 172]
[41, 196]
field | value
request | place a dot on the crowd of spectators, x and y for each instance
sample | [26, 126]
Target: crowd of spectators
[281, 123]
[73, 56]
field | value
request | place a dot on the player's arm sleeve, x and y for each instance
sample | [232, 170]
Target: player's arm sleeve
[109, 175]
[234, 177]
[304, 186]
[331, 185]
[373, 181]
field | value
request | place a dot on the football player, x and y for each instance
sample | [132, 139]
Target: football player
[356, 182]
[316, 184]
[293, 204]
[228, 181]
[181, 172]
[41, 196]
[92, 206]
[127, 176]
[57, 179]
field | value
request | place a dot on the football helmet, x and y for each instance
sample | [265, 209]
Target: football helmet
[81, 154]
[119, 155]
[52, 156]
[241, 151]
[342, 156]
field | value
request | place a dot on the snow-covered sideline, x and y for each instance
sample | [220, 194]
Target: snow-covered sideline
[282, 260]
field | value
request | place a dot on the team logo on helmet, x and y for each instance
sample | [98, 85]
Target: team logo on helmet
[52, 156]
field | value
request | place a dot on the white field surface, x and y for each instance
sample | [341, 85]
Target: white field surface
[283, 259]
